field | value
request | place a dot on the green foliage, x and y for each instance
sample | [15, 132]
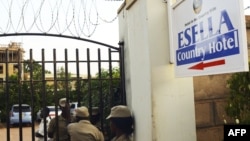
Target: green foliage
[101, 85]
[239, 98]
[61, 84]
[101, 90]
[35, 68]
[25, 91]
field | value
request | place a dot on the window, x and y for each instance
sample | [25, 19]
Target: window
[1, 82]
[1, 69]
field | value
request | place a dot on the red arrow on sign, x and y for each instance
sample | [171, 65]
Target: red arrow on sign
[202, 65]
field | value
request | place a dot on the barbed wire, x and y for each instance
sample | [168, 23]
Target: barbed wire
[76, 18]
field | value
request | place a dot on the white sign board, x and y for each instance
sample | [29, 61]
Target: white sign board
[209, 37]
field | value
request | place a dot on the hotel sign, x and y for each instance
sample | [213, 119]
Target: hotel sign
[209, 37]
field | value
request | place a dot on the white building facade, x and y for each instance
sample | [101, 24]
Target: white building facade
[163, 105]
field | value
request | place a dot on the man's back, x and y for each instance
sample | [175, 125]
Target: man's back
[62, 129]
[84, 130]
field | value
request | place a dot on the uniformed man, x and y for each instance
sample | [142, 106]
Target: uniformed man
[63, 121]
[82, 129]
[121, 123]
[95, 117]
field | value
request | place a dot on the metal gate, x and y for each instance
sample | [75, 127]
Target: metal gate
[29, 82]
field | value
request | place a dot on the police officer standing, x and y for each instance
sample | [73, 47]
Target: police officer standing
[64, 119]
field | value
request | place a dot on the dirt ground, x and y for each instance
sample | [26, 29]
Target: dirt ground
[14, 133]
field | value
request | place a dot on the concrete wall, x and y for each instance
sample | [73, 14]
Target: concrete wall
[210, 100]
[163, 105]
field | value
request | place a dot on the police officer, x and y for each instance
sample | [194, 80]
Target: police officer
[63, 121]
[82, 129]
[121, 123]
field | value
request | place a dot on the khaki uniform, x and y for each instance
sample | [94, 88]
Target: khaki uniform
[62, 129]
[122, 138]
[84, 131]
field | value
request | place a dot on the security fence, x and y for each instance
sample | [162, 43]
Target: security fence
[40, 83]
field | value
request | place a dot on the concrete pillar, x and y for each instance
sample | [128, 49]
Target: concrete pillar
[163, 105]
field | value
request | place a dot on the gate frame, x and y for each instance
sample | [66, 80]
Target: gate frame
[119, 49]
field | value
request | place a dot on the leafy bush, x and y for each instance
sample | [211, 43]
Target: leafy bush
[239, 98]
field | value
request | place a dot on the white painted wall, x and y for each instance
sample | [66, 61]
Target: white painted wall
[163, 105]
